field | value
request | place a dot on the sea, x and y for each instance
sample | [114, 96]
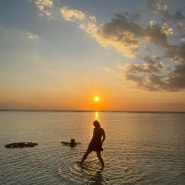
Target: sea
[141, 148]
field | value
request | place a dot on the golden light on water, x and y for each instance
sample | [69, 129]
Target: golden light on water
[96, 116]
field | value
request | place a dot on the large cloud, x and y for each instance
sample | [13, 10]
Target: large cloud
[125, 35]
[122, 32]
[164, 33]
[154, 73]
[147, 76]
[142, 41]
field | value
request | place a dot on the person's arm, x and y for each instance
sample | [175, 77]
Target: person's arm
[103, 135]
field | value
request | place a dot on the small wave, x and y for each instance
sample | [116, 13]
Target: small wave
[70, 170]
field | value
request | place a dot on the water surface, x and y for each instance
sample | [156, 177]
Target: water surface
[140, 148]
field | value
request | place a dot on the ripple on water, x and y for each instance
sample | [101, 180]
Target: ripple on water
[71, 172]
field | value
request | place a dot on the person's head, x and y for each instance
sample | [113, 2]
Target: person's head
[96, 124]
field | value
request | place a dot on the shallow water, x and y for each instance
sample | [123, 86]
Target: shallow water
[140, 148]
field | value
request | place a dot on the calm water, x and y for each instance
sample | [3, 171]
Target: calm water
[140, 148]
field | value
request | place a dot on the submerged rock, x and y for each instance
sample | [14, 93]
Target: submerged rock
[21, 145]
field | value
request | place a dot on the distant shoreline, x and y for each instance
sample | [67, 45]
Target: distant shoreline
[116, 111]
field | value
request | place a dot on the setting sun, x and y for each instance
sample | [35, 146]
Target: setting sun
[96, 98]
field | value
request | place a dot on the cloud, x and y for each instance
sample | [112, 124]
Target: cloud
[106, 34]
[176, 17]
[155, 75]
[44, 6]
[85, 22]
[128, 35]
[15, 40]
[162, 9]
[146, 76]
[167, 29]
[176, 53]
[165, 73]
[121, 32]
[176, 78]
[156, 47]
[71, 14]
[160, 73]
[181, 27]
[32, 36]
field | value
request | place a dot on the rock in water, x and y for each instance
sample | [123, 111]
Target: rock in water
[21, 145]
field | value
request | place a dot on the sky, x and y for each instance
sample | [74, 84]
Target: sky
[61, 54]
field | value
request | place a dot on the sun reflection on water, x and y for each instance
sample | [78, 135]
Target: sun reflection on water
[96, 115]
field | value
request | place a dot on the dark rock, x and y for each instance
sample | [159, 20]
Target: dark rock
[21, 145]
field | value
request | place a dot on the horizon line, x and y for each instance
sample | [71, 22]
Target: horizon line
[79, 110]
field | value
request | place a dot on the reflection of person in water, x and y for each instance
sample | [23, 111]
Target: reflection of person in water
[96, 143]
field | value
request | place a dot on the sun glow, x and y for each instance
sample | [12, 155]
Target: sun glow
[96, 99]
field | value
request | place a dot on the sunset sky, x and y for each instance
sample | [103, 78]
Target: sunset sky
[61, 54]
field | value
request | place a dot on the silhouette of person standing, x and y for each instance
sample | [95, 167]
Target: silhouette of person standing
[96, 143]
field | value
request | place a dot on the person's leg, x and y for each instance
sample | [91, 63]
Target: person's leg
[85, 156]
[100, 158]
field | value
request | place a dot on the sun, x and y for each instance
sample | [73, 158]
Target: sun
[96, 99]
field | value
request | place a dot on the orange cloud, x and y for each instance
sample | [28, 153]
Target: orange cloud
[72, 14]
